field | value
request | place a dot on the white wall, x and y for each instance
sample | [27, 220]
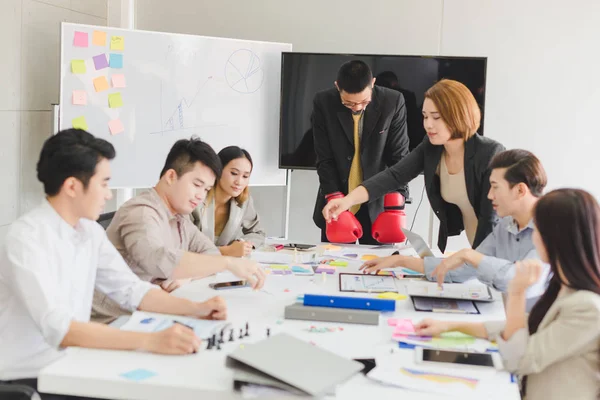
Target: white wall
[29, 82]
[543, 79]
[336, 26]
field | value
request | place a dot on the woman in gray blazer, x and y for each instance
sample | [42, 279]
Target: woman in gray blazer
[454, 159]
[228, 216]
[556, 348]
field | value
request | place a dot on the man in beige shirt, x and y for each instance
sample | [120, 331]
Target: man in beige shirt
[156, 237]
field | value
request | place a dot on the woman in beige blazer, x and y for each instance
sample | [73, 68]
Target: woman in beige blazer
[228, 216]
[555, 350]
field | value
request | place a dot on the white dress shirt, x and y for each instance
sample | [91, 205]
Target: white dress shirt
[48, 271]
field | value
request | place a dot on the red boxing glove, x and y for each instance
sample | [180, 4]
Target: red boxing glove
[387, 226]
[346, 229]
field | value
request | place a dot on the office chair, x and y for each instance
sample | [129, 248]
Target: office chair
[105, 219]
[18, 392]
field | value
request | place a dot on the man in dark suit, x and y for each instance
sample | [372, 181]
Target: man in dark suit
[375, 116]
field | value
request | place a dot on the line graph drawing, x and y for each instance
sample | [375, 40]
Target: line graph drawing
[244, 72]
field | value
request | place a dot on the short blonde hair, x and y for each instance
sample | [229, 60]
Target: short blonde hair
[457, 107]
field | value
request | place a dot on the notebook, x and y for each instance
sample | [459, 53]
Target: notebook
[291, 362]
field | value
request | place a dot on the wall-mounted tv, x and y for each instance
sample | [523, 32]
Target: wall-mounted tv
[305, 74]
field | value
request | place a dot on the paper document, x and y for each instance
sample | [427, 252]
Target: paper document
[153, 322]
[466, 291]
[444, 305]
[366, 283]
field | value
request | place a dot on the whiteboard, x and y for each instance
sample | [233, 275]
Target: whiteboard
[225, 91]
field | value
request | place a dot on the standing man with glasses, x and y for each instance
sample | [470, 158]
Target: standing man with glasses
[359, 130]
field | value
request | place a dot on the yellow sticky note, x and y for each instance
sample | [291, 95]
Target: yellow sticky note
[117, 43]
[99, 38]
[391, 296]
[78, 66]
[100, 84]
[115, 100]
[368, 257]
[80, 123]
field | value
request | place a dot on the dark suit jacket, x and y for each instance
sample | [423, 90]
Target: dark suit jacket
[384, 142]
[425, 158]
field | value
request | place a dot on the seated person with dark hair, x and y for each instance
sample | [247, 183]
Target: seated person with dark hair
[517, 182]
[55, 255]
[156, 236]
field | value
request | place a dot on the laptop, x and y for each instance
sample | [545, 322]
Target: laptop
[418, 243]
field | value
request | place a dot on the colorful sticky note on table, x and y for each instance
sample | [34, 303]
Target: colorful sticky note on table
[404, 327]
[100, 84]
[115, 100]
[338, 263]
[79, 97]
[78, 66]
[118, 81]
[117, 43]
[80, 39]
[115, 126]
[116, 60]
[100, 61]
[368, 257]
[99, 38]
[80, 123]
[392, 296]
[332, 247]
[301, 269]
[138, 374]
[325, 268]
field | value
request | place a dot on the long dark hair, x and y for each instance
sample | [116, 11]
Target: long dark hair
[230, 153]
[568, 221]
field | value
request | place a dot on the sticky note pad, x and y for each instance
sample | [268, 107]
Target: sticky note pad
[138, 374]
[100, 84]
[80, 39]
[80, 123]
[115, 100]
[325, 268]
[392, 296]
[78, 67]
[99, 38]
[281, 272]
[100, 61]
[117, 43]
[404, 327]
[116, 127]
[79, 97]
[118, 81]
[277, 266]
[116, 60]
[338, 263]
[368, 257]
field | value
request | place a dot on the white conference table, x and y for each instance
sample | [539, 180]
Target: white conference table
[96, 373]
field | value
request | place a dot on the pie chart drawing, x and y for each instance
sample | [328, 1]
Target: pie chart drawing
[243, 71]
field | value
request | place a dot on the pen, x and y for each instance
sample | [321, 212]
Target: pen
[186, 325]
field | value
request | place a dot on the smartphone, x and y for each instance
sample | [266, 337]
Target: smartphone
[458, 358]
[228, 285]
[298, 246]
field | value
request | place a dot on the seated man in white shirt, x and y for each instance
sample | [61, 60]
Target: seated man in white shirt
[517, 181]
[55, 255]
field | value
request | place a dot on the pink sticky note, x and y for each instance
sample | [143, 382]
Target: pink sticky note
[392, 321]
[115, 126]
[79, 97]
[404, 327]
[80, 39]
[118, 81]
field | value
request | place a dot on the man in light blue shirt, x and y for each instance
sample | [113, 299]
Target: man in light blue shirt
[517, 181]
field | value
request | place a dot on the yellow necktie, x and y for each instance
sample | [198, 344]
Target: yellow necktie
[356, 176]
